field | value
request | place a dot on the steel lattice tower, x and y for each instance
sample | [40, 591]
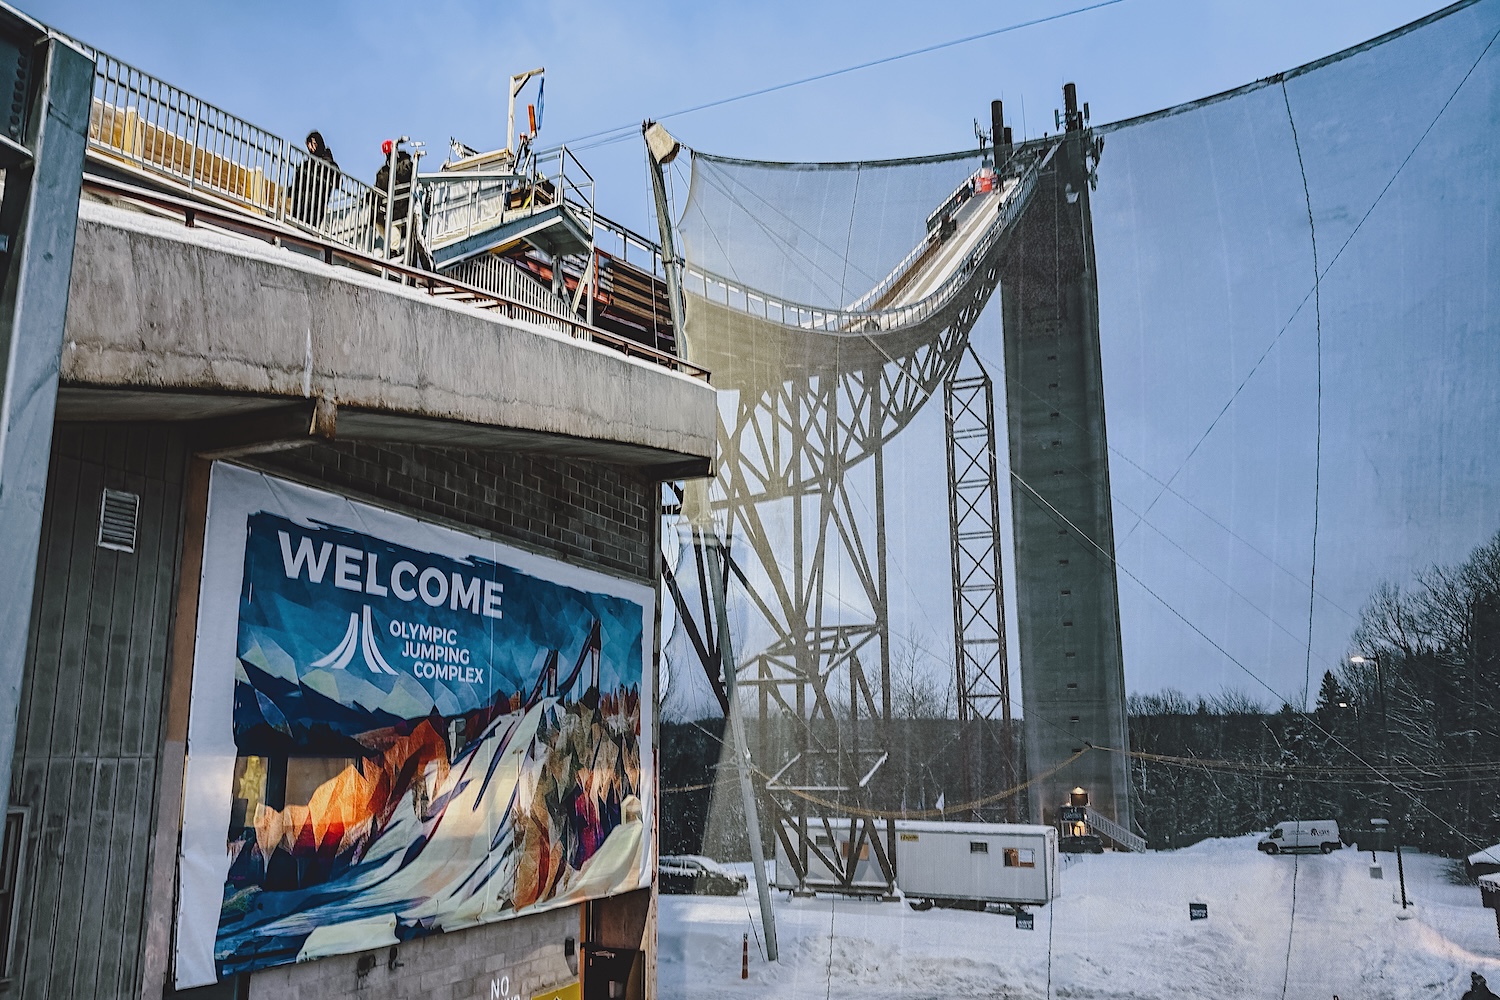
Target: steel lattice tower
[983, 668]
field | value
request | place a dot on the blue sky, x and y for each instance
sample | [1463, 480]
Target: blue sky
[1195, 278]
[365, 71]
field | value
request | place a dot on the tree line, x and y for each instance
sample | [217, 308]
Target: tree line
[1407, 730]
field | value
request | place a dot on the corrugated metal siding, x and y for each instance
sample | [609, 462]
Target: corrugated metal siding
[89, 738]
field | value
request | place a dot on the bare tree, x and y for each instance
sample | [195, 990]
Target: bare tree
[921, 683]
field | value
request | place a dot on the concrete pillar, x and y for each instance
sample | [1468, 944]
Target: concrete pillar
[1072, 680]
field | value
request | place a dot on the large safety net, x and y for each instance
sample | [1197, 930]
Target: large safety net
[1286, 503]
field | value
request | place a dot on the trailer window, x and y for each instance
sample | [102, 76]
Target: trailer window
[1020, 857]
[979, 847]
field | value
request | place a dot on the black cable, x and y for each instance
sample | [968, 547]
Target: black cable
[632, 126]
[1312, 573]
[1312, 576]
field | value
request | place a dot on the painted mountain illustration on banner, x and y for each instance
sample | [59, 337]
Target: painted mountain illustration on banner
[424, 743]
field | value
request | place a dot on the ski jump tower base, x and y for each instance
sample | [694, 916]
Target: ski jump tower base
[1072, 679]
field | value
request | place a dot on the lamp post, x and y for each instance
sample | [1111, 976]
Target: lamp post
[1385, 742]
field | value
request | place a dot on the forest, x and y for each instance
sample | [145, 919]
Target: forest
[1406, 729]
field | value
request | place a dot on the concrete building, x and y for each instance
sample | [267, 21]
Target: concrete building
[188, 349]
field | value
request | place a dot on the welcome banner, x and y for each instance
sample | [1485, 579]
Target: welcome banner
[398, 729]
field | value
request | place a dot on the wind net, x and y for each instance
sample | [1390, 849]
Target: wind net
[1274, 478]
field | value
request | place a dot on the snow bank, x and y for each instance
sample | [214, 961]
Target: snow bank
[1120, 929]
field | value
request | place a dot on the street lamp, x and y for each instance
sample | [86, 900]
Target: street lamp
[1385, 742]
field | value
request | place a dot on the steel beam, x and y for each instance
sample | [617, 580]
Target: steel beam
[43, 174]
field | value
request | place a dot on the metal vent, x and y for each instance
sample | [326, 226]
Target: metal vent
[118, 515]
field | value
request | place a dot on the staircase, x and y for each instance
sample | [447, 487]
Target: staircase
[1108, 828]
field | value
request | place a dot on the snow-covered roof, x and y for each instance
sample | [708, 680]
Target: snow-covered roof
[993, 829]
[1490, 882]
[1489, 856]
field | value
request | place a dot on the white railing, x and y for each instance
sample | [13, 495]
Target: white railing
[461, 203]
[735, 295]
[508, 279]
[147, 126]
[1114, 831]
[628, 247]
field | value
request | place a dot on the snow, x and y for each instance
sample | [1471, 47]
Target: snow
[1120, 929]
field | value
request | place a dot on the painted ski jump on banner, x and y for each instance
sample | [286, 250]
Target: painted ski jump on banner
[401, 729]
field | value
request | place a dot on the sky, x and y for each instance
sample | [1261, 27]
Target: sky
[1213, 591]
[364, 71]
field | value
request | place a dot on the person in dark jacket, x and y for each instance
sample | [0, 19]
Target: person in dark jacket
[400, 198]
[313, 179]
[1478, 989]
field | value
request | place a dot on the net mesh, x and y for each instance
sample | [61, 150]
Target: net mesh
[1297, 338]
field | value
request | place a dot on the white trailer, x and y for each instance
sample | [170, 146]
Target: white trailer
[937, 863]
[976, 863]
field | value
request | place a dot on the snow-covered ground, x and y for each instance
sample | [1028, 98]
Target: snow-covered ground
[1119, 930]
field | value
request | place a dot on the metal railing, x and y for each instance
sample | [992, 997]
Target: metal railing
[245, 179]
[509, 280]
[461, 204]
[735, 295]
[437, 285]
[150, 127]
[628, 247]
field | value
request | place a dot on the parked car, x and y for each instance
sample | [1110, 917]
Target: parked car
[1302, 835]
[1087, 844]
[695, 875]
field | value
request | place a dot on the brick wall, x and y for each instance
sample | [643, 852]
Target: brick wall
[587, 512]
[525, 954]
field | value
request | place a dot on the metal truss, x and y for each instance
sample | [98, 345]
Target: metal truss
[800, 451]
[983, 667]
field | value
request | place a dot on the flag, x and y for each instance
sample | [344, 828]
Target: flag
[940, 802]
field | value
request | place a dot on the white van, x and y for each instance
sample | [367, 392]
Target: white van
[1302, 835]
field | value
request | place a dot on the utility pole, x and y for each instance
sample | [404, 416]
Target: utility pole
[1385, 741]
[718, 560]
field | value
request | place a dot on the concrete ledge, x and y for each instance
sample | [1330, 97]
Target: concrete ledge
[177, 323]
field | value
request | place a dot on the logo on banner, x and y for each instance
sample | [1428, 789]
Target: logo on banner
[360, 634]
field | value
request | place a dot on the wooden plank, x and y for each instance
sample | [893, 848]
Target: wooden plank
[135, 878]
[112, 873]
[46, 623]
[62, 687]
[29, 780]
[143, 708]
[72, 797]
[89, 878]
[160, 899]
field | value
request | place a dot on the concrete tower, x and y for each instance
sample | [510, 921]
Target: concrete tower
[1072, 680]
